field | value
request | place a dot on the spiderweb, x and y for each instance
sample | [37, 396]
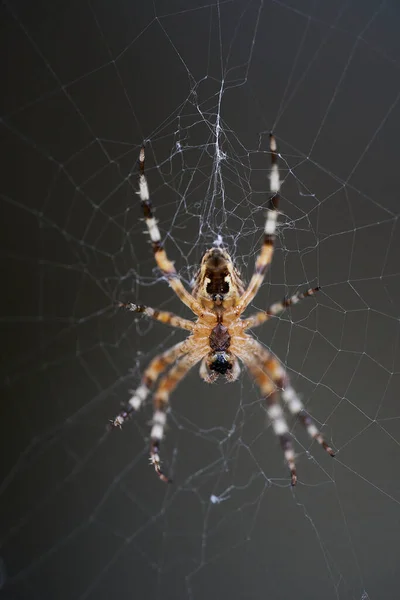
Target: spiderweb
[83, 515]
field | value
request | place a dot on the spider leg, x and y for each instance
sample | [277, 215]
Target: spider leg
[164, 264]
[275, 413]
[159, 315]
[161, 398]
[293, 402]
[270, 377]
[264, 258]
[157, 366]
[275, 309]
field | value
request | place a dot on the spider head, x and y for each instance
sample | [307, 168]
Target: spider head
[217, 279]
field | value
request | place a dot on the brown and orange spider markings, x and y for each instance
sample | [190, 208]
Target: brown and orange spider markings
[159, 315]
[218, 338]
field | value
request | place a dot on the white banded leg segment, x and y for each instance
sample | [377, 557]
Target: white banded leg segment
[267, 249]
[139, 396]
[271, 221]
[143, 187]
[277, 308]
[154, 232]
[144, 195]
[278, 421]
[163, 263]
[159, 315]
[159, 420]
[157, 366]
[290, 458]
[274, 181]
[280, 427]
[292, 401]
[296, 407]
[133, 405]
[157, 433]
[143, 192]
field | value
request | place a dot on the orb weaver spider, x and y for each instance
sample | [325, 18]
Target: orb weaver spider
[218, 337]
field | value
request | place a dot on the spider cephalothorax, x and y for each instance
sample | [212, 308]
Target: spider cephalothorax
[217, 282]
[218, 338]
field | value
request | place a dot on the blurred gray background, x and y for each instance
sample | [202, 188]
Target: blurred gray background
[83, 516]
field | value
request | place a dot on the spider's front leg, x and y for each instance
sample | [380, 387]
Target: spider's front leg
[264, 259]
[164, 264]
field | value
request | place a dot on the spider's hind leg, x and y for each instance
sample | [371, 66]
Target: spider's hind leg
[265, 255]
[293, 402]
[275, 413]
[297, 408]
[157, 366]
[161, 402]
[273, 380]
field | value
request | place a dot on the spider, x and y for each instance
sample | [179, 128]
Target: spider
[218, 338]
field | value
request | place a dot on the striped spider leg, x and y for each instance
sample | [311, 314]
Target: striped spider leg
[273, 382]
[164, 264]
[264, 258]
[159, 315]
[276, 309]
[157, 366]
[161, 401]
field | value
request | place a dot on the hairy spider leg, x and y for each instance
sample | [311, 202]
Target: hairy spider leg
[159, 315]
[155, 368]
[275, 413]
[293, 402]
[271, 376]
[164, 264]
[161, 402]
[264, 258]
[275, 309]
